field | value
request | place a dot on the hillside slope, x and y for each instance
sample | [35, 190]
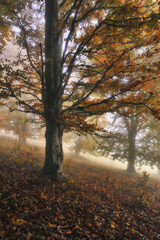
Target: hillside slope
[90, 203]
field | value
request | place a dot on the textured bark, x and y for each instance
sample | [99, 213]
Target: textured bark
[53, 104]
[53, 152]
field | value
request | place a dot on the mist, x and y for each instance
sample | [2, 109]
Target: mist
[107, 162]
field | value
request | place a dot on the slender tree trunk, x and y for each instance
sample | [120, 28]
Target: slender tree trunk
[131, 155]
[131, 167]
[52, 99]
[131, 147]
[23, 139]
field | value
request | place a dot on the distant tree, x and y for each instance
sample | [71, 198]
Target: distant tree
[135, 139]
[82, 144]
[20, 124]
[5, 23]
[123, 144]
[148, 151]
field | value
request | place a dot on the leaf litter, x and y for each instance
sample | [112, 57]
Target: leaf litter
[92, 202]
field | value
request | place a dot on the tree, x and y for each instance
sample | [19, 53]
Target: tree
[148, 150]
[131, 125]
[20, 124]
[59, 80]
[122, 145]
[135, 139]
[82, 144]
[4, 22]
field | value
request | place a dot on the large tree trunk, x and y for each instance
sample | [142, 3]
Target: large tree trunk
[52, 98]
[53, 152]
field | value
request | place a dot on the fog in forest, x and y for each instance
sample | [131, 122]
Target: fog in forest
[99, 160]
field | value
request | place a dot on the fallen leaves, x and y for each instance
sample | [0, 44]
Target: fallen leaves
[93, 204]
[52, 225]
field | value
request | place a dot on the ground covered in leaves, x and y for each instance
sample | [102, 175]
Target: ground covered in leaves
[91, 203]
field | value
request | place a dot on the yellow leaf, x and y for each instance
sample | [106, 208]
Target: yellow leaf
[112, 225]
[52, 225]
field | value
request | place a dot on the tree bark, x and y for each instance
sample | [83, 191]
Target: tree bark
[132, 131]
[52, 102]
[131, 152]
[131, 167]
[53, 152]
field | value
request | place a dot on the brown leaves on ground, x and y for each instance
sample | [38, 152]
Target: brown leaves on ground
[91, 203]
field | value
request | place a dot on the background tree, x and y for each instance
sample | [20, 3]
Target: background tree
[148, 151]
[82, 144]
[5, 25]
[122, 145]
[20, 124]
[58, 80]
[134, 140]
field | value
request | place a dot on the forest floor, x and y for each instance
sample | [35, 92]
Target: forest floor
[92, 202]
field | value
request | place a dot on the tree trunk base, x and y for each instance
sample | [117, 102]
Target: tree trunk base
[131, 169]
[53, 173]
[53, 165]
